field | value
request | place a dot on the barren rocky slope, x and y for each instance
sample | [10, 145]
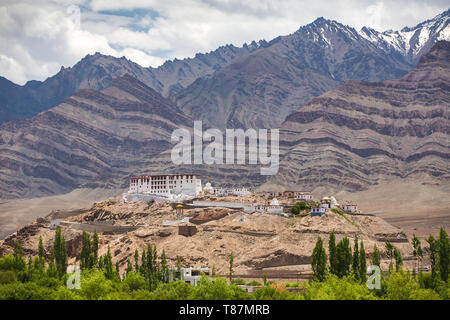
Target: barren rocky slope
[94, 138]
[260, 241]
[366, 132]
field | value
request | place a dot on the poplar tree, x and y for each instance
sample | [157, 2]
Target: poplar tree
[156, 269]
[434, 251]
[355, 264]
[390, 254]
[19, 261]
[362, 263]
[375, 260]
[152, 260]
[444, 252]
[100, 263]
[344, 257]
[60, 252]
[136, 261]
[178, 273]
[41, 250]
[143, 266]
[107, 262]
[319, 261]
[332, 252]
[231, 260]
[86, 258]
[389, 250]
[164, 268]
[117, 269]
[398, 259]
[129, 267]
[417, 252]
[40, 259]
[95, 247]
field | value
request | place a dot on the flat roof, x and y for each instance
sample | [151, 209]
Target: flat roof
[164, 175]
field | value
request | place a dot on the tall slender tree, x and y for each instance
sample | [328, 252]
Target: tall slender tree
[95, 247]
[41, 250]
[390, 254]
[19, 261]
[129, 267]
[60, 252]
[344, 257]
[332, 253]
[86, 258]
[417, 252]
[375, 259]
[355, 263]
[398, 259]
[362, 263]
[434, 253]
[319, 261]
[231, 260]
[164, 268]
[136, 261]
[40, 259]
[444, 254]
[108, 265]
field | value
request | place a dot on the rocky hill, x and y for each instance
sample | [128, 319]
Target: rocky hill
[365, 132]
[260, 242]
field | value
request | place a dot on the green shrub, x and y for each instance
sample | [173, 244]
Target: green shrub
[334, 288]
[254, 283]
[238, 281]
[7, 277]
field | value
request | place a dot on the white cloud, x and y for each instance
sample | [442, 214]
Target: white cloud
[37, 37]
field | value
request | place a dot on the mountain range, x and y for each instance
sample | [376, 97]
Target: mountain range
[363, 133]
[272, 78]
[344, 123]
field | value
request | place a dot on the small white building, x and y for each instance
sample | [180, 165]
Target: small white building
[189, 275]
[273, 208]
[318, 211]
[241, 191]
[303, 195]
[223, 192]
[350, 207]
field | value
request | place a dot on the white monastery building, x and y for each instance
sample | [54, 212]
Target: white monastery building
[168, 187]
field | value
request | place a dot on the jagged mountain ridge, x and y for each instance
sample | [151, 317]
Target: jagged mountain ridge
[97, 71]
[261, 88]
[411, 42]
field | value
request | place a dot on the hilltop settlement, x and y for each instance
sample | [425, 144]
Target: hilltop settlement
[270, 233]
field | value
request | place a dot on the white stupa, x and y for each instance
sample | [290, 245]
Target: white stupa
[208, 189]
[274, 202]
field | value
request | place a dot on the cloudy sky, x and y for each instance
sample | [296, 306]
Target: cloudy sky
[37, 37]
